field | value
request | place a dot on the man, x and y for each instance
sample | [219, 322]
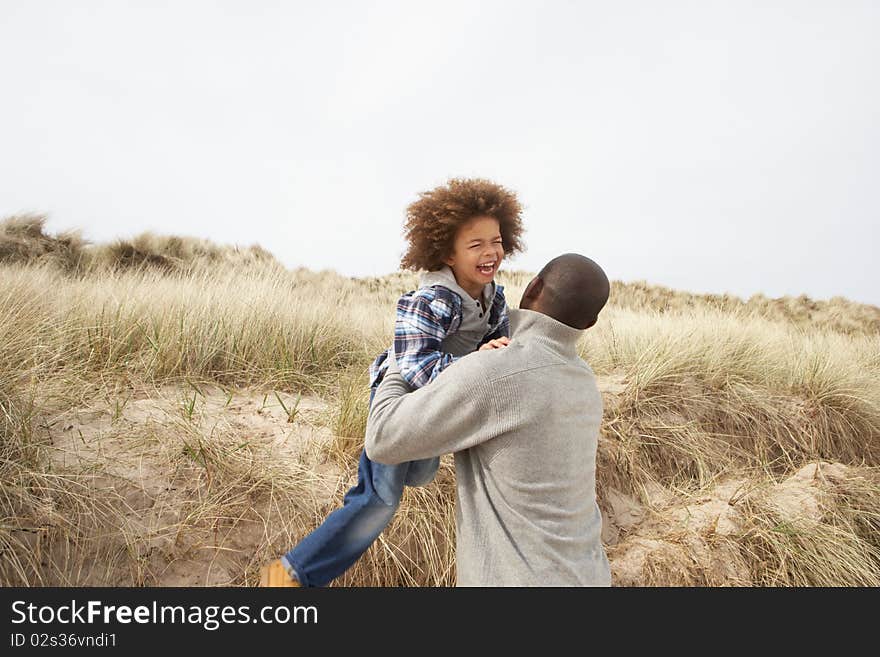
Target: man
[523, 423]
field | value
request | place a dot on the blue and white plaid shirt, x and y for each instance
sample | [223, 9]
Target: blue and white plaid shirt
[424, 318]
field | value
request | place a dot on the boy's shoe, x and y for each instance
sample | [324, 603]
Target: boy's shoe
[275, 574]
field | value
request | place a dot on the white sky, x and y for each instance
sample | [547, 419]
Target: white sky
[707, 146]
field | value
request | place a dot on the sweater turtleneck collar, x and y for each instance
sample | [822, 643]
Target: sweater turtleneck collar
[532, 325]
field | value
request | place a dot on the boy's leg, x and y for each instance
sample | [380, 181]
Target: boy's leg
[345, 535]
[421, 472]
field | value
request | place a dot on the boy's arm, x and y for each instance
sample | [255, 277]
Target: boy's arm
[456, 412]
[424, 319]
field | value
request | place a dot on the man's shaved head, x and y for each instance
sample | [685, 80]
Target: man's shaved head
[571, 289]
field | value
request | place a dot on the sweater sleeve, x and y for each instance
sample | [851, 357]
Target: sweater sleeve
[454, 413]
[424, 318]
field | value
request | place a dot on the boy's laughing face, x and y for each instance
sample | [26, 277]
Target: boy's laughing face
[476, 254]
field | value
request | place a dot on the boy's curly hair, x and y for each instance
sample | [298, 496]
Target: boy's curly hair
[432, 221]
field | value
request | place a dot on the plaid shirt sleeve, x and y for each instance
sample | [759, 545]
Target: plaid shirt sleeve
[499, 320]
[424, 318]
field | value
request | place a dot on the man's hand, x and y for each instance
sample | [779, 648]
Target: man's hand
[497, 343]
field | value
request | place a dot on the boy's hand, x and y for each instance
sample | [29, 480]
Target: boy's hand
[497, 343]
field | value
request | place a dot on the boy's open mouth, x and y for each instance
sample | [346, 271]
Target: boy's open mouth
[486, 268]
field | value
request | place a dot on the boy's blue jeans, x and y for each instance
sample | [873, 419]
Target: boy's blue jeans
[366, 510]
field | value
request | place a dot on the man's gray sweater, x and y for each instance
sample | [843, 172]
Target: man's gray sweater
[523, 422]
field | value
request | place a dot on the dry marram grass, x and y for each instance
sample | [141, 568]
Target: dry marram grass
[174, 412]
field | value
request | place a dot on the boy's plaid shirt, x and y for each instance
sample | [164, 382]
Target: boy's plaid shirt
[424, 318]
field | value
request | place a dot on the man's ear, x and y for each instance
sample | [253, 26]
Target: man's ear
[532, 291]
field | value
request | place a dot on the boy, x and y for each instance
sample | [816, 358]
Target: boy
[459, 233]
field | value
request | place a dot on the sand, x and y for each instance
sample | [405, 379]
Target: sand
[153, 454]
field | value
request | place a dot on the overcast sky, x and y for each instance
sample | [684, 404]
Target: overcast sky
[707, 146]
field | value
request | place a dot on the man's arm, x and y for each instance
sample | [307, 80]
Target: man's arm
[455, 412]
